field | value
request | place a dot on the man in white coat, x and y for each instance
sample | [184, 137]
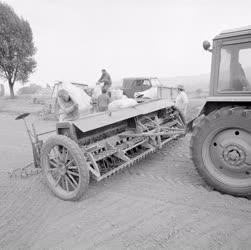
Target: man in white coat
[181, 101]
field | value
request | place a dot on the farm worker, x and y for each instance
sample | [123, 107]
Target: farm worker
[106, 79]
[181, 101]
[103, 101]
[97, 91]
[238, 78]
[68, 108]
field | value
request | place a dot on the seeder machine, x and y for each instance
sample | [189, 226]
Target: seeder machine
[100, 145]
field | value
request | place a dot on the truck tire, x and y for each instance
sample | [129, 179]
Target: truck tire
[221, 150]
[64, 168]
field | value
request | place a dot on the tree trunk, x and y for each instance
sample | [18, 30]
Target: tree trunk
[11, 85]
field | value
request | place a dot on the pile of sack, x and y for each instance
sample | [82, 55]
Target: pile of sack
[116, 94]
[120, 101]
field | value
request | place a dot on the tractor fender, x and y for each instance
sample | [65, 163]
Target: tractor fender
[212, 105]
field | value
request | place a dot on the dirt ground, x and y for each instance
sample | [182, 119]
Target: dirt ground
[159, 203]
[18, 105]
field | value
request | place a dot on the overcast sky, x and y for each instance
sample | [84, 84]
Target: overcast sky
[76, 39]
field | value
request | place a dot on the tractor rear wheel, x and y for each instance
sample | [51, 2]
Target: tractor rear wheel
[221, 150]
[64, 167]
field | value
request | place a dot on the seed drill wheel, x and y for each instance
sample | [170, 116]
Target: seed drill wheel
[64, 167]
[221, 150]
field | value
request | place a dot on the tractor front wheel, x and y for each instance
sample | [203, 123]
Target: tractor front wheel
[221, 150]
[64, 167]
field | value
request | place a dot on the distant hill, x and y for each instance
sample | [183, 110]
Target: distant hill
[191, 83]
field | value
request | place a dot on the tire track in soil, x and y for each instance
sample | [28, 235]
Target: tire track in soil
[125, 216]
[178, 192]
[172, 161]
[147, 206]
[114, 218]
[225, 216]
[23, 219]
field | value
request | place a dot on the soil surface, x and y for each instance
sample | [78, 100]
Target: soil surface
[159, 203]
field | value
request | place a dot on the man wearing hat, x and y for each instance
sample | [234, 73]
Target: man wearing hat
[68, 108]
[181, 101]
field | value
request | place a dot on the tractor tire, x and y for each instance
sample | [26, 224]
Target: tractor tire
[64, 168]
[221, 150]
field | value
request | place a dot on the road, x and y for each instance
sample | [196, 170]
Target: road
[160, 203]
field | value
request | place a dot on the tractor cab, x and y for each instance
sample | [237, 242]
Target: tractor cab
[231, 63]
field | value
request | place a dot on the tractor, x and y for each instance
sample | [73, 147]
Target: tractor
[221, 140]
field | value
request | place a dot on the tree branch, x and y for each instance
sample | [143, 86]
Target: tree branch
[4, 70]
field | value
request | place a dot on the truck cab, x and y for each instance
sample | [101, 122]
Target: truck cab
[132, 85]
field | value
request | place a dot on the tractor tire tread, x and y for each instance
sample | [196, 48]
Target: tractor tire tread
[206, 122]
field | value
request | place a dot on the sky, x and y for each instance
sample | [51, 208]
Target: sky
[163, 38]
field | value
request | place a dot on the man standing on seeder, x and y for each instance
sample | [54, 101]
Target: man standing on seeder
[106, 79]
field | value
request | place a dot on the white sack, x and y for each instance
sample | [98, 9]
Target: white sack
[124, 97]
[122, 103]
[78, 95]
[116, 94]
[149, 93]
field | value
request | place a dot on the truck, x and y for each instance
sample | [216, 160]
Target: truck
[221, 140]
[132, 85]
[142, 88]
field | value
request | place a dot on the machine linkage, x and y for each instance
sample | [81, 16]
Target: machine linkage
[114, 153]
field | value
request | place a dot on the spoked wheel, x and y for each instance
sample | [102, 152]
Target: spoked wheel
[64, 167]
[221, 150]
